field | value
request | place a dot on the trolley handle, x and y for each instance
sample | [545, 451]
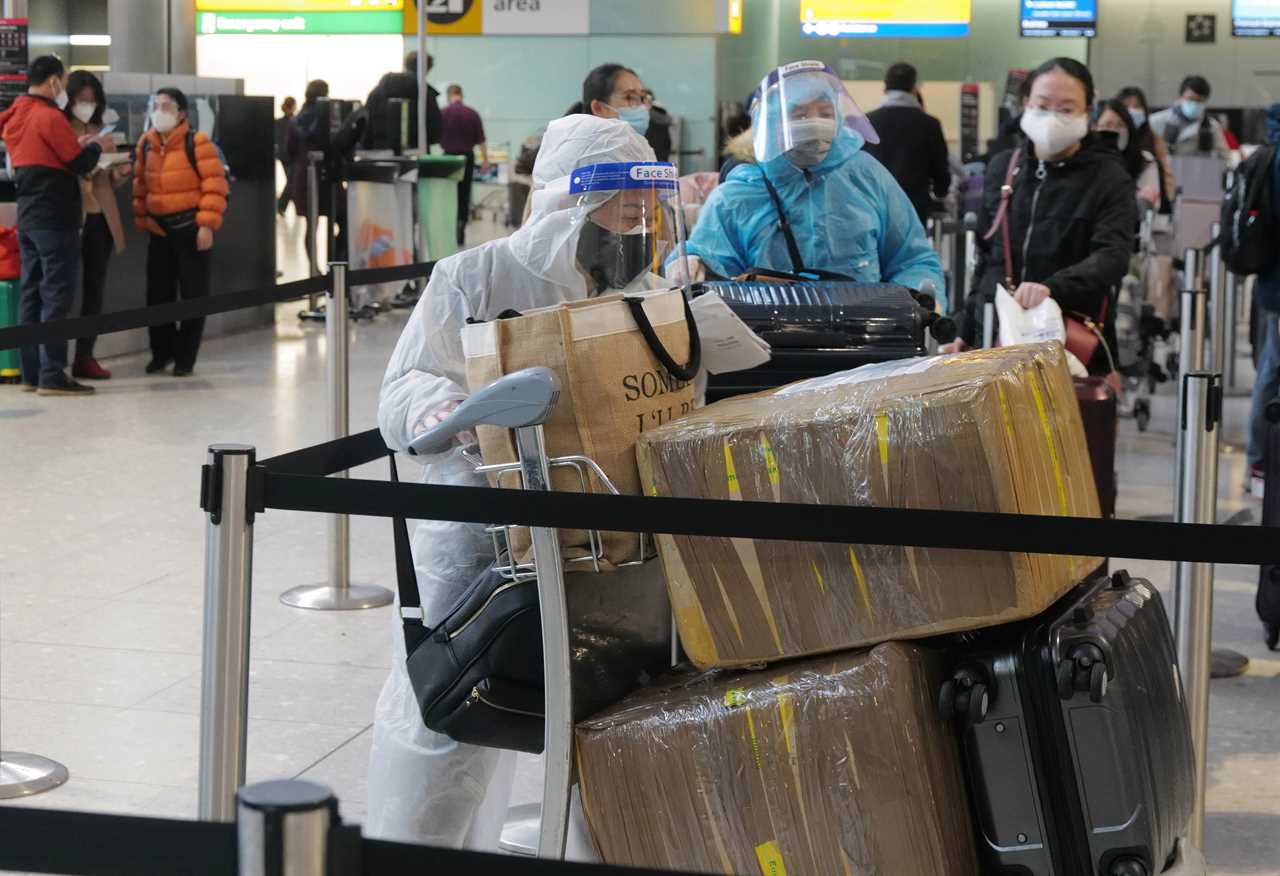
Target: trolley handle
[522, 398]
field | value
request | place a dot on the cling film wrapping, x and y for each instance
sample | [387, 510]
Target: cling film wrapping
[835, 765]
[990, 430]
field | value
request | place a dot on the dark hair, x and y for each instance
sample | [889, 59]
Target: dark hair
[316, 88]
[901, 77]
[175, 95]
[1072, 68]
[1197, 84]
[601, 82]
[77, 82]
[44, 67]
[1132, 153]
[289, 101]
[411, 63]
[1138, 94]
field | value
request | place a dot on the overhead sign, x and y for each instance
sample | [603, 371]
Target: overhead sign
[297, 23]
[1255, 18]
[471, 17]
[1059, 18]
[299, 5]
[14, 59]
[886, 18]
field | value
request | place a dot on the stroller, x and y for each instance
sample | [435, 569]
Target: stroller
[1141, 331]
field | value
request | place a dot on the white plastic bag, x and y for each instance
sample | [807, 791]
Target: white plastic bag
[1041, 323]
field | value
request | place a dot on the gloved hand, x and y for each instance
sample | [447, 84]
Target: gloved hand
[439, 415]
[697, 270]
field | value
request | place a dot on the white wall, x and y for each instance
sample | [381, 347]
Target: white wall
[283, 65]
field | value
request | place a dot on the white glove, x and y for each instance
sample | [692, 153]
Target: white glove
[439, 415]
[697, 270]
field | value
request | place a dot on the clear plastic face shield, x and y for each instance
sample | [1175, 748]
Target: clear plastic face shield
[632, 224]
[800, 110]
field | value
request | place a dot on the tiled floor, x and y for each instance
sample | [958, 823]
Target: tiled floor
[101, 549]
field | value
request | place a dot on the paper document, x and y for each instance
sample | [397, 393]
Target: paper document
[110, 159]
[727, 343]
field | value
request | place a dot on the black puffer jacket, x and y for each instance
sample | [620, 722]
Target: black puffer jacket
[1074, 225]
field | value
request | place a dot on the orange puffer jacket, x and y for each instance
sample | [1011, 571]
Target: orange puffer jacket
[168, 184]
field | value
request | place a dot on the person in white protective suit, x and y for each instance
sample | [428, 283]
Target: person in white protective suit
[423, 786]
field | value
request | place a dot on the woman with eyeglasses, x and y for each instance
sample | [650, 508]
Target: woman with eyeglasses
[1058, 213]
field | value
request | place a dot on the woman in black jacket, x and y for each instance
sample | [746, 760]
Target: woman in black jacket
[1071, 212]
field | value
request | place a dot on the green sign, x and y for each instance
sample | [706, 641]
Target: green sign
[298, 23]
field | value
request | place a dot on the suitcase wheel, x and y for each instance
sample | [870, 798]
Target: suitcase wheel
[1083, 671]
[1128, 867]
[964, 696]
[1273, 636]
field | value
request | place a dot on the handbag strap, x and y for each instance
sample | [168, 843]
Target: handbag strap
[784, 225]
[1001, 222]
[415, 629]
[685, 372]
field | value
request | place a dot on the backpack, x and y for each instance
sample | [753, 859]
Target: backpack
[189, 146]
[1249, 226]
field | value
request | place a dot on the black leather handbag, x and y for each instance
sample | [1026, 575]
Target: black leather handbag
[477, 673]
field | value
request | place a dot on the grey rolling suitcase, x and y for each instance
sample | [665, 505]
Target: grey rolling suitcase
[1076, 742]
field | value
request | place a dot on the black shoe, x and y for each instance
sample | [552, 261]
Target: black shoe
[29, 387]
[155, 366]
[182, 372]
[64, 386]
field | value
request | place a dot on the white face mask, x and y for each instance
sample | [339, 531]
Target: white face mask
[1051, 132]
[61, 99]
[811, 141]
[84, 111]
[164, 122]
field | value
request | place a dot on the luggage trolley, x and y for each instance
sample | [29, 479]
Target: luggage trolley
[523, 402]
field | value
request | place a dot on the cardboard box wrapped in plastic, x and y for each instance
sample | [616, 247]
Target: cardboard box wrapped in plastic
[836, 765]
[992, 430]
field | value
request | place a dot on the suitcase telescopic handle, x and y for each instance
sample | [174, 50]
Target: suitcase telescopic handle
[684, 372]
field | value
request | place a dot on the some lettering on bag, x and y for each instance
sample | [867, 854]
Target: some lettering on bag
[651, 384]
[662, 416]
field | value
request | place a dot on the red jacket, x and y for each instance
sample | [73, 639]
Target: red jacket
[47, 157]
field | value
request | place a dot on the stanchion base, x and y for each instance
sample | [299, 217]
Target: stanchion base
[326, 597]
[22, 775]
[520, 833]
[1227, 663]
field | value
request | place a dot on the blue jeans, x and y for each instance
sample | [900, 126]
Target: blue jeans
[1266, 386]
[50, 266]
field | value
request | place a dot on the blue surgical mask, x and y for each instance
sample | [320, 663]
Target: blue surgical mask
[1192, 109]
[1139, 118]
[635, 116]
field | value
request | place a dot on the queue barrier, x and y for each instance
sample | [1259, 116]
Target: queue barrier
[96, 844]
[163, 314]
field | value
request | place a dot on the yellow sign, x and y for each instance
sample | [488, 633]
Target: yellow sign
[446, 17]
[735, 16]
[299, 5]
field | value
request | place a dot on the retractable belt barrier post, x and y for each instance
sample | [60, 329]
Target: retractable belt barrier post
[313, 236]
[1201, 414]
[1232, 320]
[1221, 316]
[337, 593]
[224, 684]
[1190, 348]
[283, 829]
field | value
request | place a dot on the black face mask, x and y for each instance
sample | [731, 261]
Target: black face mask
[612, 260]
[1111, 138]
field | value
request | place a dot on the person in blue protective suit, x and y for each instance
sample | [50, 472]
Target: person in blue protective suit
[814, 201]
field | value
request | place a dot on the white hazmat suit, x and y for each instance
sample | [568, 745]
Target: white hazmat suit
[423, 786]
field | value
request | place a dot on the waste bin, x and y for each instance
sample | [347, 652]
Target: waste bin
[10, 360]
[380, 218]
[438, 178]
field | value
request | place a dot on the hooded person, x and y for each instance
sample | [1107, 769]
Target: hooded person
[580, 240]
[814, 200]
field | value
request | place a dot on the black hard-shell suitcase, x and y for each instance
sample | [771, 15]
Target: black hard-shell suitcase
[1076, 741]
[818, 328]
[1268, 599]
